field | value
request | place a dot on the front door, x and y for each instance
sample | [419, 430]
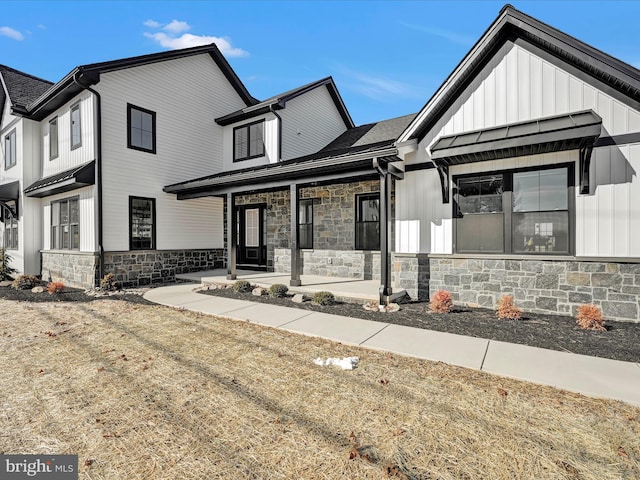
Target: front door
[252, 248]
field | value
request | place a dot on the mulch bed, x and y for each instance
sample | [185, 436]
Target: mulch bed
[621, 341]
[68, 295]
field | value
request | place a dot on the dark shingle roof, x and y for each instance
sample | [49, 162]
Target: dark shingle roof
[22, 87]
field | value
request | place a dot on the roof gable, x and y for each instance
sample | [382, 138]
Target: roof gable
[21, 88]
[617, 77]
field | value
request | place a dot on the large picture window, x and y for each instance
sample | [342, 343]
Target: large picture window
[10, 150]
[520, 212]
[141, 129]
[10, 230]
[248, 141]
[142, 223]
[65, 224]
[368, 222]
[305, 223]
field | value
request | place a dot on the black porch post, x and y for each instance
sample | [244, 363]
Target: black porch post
[294, 191]
[385, 244]
[232, 236]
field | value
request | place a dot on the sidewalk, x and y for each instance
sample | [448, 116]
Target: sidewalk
[597, 377]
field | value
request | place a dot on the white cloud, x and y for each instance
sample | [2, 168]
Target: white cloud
[151, 24]
[176, 26]
[378, 87]
[11, 33]
[453, 37]
[188, 40]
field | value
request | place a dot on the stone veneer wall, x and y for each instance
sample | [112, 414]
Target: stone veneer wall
[332, 263]
[542, 286]
[152, 267]
[411, 272]
[74, 269]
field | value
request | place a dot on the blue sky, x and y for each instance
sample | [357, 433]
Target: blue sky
[387, 58]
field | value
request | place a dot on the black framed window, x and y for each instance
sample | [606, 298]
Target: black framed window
[10, 230]
[65, 224]
[305, 223]
[10, 150]
[524, 211]
[53, 138]
[76, 127]
[368, 222]
[142, 223]
[248, 141]
[141, 129]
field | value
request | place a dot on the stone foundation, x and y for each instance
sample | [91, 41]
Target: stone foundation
[360, 264]
[541, 286]
[153, 267]
[74, 269]
[411, 272]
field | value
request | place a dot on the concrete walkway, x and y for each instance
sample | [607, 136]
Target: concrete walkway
[592, 376]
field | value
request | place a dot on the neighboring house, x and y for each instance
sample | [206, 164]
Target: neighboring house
[522, 175]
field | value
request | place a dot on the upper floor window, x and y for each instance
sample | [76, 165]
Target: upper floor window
[520, 212]
[142, 223]
[76, 133]
[248, 141]
[53, 138]
[10, 230]
[65, 224]
[10, 150]
[368, 222]
[141, 129]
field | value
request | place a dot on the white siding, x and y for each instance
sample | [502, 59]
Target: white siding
[309, 122]
[271, 134]
[187, 94]
[86, 200]
[520, 86]
[68, 158]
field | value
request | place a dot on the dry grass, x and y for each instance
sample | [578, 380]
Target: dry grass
[144, 392]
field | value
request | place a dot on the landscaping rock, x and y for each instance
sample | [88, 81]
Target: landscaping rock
[37, 289]
[298, 298]
[6, 283]
[258, 292]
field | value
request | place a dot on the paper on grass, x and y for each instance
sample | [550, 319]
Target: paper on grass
[345, 363]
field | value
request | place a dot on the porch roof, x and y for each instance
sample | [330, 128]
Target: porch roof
[66, 181]
[550, 134]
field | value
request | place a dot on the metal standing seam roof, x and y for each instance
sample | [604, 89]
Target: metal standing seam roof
[550, 134]
[76, 177]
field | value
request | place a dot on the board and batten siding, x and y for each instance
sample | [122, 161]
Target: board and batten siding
[68, 158]
[270, 136]
[88, 225]
[309, 122]
[518, 85]
[186, 94]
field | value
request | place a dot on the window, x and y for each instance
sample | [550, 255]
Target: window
[368, 222]
[10, 150]
[65, 224]
[10, 230]
[248, 141]
[142, 225]
[305, 223]
[76, 133]
[53, 138]
[520, 212]
[141, 129]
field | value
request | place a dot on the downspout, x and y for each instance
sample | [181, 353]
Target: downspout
[98, 144]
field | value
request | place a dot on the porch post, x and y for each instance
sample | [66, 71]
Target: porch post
[294, 191]
[232, 236]
[385, 229]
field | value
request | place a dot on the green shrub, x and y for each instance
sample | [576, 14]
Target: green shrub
[25, 282]
[278, 290]
[6, 272]
[242, 286]
[324, 298]
[108, 282]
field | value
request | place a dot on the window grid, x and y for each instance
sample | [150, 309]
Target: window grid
[65, 224]
[248, 141]
[10, 230]
[141, 129]
[367, 222]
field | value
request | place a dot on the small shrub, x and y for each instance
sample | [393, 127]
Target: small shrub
[108, 282]
[242, 286]
[324, 298]
[6, 271]
[441, 302]
[55, 287]
[25, 282]
[589, 317]
[278, 290]
[507, 309]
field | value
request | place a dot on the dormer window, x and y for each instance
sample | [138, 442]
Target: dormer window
[248, 141]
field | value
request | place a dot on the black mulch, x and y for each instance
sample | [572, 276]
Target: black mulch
[621, 341]
[67, 295]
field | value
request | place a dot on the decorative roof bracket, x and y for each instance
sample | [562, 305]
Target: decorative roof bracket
[585, 163]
